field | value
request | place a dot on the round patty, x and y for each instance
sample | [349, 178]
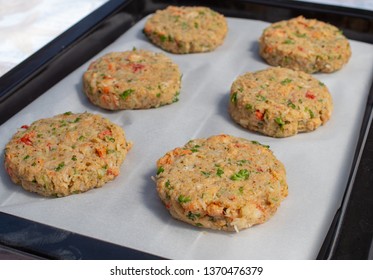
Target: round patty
[186, 29]
[279, 102]
[66, 154]
[305, 44]
[136, 79]
[222, 182]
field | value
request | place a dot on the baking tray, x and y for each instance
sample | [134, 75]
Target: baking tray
[350, 233]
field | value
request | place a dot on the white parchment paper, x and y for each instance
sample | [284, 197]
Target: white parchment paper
[128, 211]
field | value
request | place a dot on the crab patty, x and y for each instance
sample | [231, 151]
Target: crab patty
[66, 154]
[279, 102]
[304, 44]
[221, 182]
[186, 29]
[136, 79]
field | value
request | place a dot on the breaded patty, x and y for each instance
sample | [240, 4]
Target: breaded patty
[304, 44]
[66, 154]
[221, 182]
[186, 29]
[137, 79]
[279, 102]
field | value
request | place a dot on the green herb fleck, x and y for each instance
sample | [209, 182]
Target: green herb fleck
[193, 216]
[184, 25]
[63, 123]
[291, 105]
[207, 174]
[241, 175]
[260, 97]
[312, 115]
[160, 170]
[168, 185]
[219, 172]
[287, 60]
[109, 138]
[26, 157]
[176, 97]
[234, 97]
[74, 158]
[263, 86]
[240, 189]
[300, 35]
[280, 122]
[183, 199]
[163, 38]
[288, 42]
[60, 166]
[195, 148]
[286, 81]
[67, 113]
[242, 161]
[257, 143]
[249, 107]
[126, 93]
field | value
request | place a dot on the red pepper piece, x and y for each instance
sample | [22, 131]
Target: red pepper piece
[137, 66]
[310, 95]
[259, 115]
[26, 139]
[104, 133]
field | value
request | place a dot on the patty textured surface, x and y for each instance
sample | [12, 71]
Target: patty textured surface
[279, 102]
[186, 29]
[304, 44]
[221, 182]
[66, 154]
[137, 79]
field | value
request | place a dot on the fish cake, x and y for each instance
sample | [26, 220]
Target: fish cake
[221, 182]
[279, 102]
[136, 79]
[183, 30]
[304, 44]
[66, 154]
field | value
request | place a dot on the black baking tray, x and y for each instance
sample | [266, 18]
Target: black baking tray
[351, 232]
